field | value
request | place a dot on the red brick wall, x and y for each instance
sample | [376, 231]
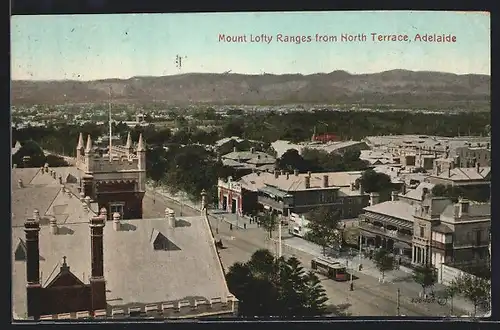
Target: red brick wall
[60, 300]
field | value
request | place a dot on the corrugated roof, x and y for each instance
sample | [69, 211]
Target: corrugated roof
[395, 209]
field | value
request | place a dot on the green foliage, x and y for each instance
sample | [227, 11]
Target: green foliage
[384, 261]
[266, 286]
[291, 160]
[426, 276]
[380, 183]
[321, 161]
[479, 193]
[35, 156]
[269, 221]
[323, 227]
[477, 290]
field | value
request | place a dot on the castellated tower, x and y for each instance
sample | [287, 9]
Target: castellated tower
[116, 181]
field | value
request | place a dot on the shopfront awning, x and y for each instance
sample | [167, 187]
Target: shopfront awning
[402, 245]
[367, 234]
[272, 191]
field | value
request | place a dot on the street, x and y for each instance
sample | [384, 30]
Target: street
[369, 298]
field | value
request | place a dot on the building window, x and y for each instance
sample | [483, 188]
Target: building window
[478, 237]
[422, 231]
[116, 207]
[349, 212]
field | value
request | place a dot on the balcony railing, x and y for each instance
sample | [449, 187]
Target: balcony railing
[441, 246]
[385, 232]
[271, 202]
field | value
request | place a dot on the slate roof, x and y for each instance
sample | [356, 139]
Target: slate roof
[41, 191]
[395, 209]
[184, 268]
[418, 191]
[475, 210]
[135, 272]
[297, 182]
[465, 174]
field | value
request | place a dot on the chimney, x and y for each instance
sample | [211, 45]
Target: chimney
[252, 150]
[79, 189]
[361, 188]
[282, 172]
[33, 288]
[54, 175]
[36, 215]
[53, 226]
[20, 183]
[425, 191]
[309, 173]
[374, 198]
[82, 197]
[296, 172]
[478, 167]
[97, 282]
[307, 182]
[449, 172]
[276, 174]
[116, 221]
[104, 213]
[464, 207]
[235, 149]
[170, 216]
[394, 196]
[403, 189]
[87, 201]
[353, 187]
[287, 176]
[46, 168]
[60, 180]
[325, 181]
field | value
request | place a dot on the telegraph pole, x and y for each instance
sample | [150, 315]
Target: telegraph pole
[398, 302]
[279, 238]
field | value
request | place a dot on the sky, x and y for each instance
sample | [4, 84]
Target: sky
[89, 47]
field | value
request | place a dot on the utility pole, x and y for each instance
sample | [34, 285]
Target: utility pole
[398, 302]
[279, 238]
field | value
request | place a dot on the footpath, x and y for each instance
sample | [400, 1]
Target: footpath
[401, 277]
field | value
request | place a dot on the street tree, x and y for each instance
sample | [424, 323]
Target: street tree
[269, 221]
[451, 292]
[323, 228]
[426, 276]
[384, 261]
[316, 297]
[268, 286]
[474, 288]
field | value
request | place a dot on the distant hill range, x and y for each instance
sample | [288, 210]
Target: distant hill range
[399, 87]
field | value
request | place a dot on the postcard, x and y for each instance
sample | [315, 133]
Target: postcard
[241, 165]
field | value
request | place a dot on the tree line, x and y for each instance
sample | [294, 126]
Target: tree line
[269, 286]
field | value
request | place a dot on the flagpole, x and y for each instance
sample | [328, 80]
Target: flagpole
[110, 127]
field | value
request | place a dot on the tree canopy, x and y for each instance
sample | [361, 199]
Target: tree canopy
[426, 276]
[324, 228]
[384, 261]
[380, 183]
[476, 289]
[266, 286]
[269, 221]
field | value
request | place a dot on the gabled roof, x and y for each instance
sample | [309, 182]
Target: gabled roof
[465, 174]
[20, 253]
[161, 243]
[64, 278]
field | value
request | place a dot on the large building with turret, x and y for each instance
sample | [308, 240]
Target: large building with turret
[90, 242]
[116, 181]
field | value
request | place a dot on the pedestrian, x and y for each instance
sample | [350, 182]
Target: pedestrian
[230, 226]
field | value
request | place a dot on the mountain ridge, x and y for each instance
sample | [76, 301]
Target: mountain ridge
[388, 87]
